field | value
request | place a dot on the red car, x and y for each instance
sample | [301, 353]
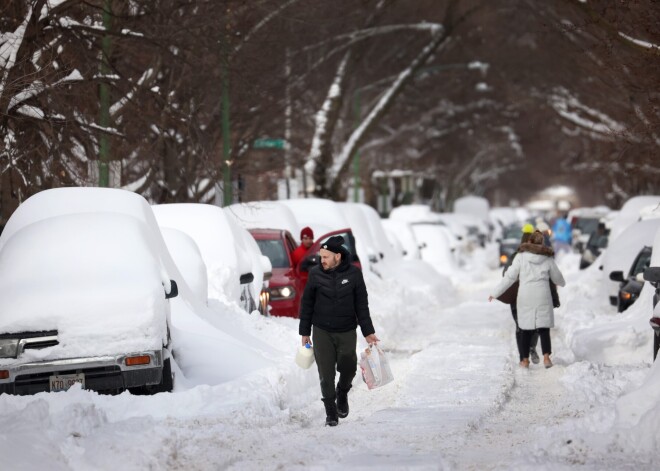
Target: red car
[288, 281]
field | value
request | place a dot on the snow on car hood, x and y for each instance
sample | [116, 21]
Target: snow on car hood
[93, 277]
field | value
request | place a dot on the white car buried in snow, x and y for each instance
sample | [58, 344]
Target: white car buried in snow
[84, 296]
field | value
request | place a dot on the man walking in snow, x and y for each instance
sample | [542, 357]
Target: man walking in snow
[335, 302]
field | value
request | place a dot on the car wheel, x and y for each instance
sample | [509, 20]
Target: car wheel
[656, 345]
[166, 383]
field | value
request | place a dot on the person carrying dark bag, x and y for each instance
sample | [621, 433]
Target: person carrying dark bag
[533, 267]
[333, 304]
[510, 297]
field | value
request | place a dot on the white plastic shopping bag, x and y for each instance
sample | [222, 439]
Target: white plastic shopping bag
[375, 367]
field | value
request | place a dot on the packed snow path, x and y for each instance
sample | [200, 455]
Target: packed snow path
[459, 403]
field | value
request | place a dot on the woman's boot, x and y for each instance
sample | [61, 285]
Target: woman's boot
[331, 416]
[546, 360]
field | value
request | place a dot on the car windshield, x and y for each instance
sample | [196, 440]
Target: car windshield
[274, 250]
[513, 232]
[643, 261]
[597, 241]
[586, 225]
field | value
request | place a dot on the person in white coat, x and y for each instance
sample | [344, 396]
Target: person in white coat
[533, 267]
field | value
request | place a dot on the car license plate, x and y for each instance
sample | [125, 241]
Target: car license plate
[64, 382]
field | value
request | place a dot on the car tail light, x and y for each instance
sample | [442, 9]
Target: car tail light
[138, 360]
[655, 323]
[503, 258]
[625, 295]
[4, 374]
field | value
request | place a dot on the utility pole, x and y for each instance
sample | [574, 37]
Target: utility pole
[226, 144]
[287, 123]
[104, 92]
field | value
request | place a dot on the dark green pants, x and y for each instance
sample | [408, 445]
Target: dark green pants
[334, 350]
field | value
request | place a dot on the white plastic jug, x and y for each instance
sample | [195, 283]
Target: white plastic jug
[305, 356]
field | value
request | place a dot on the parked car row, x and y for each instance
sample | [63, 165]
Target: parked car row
[629, 254]
[88, 277]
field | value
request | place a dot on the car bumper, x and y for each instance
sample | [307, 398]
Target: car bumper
[103, 373]
[284, 307]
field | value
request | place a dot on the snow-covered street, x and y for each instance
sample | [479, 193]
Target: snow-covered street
[459, 401]
[210, 209]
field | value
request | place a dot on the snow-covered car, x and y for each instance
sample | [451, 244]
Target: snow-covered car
[189, 261]
[652, 275]
[436, 246]
[402, 231]
[596, 243]
[631, 284]
[622, 251]
[454, 236]
[630, 213]
[584, 222]
[85, 295]
[232, 258]
[509, 243]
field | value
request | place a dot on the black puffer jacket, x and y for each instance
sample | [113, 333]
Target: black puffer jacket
[335, 300]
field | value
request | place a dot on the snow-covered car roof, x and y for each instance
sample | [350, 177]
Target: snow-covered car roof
[94, 277]
[589, 212]
[476, 206]
[321, 215]
[222, 243]
[630, 213]
[60, 201]
[265, 215]
[414, 213]
[504, 215]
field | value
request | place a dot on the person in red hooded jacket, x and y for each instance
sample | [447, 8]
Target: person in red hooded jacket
[306, 241]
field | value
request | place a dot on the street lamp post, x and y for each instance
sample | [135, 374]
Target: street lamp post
[104, 98]
[226, 133]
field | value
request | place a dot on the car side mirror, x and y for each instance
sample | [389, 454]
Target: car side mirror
[652, 274]
[309, 262]
[267, 267]
[617, 276]
[246, 278]
[174, 290]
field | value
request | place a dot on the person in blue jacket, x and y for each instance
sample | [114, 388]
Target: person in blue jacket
[562, 234]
